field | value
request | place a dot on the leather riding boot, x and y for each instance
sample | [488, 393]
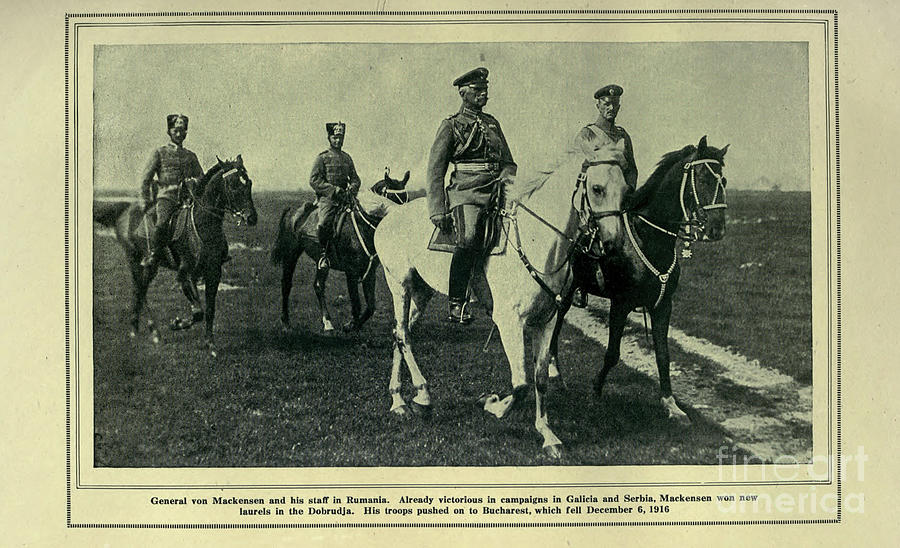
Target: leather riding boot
[324, 235]
[460, 271]
[157, 248]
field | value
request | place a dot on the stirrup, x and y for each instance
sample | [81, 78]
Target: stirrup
[323, 263]
[580, 298]
[457, 312]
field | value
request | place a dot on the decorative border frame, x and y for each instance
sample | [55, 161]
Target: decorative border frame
[833, 250]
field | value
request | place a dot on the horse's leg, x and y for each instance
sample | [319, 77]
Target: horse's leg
[211, 278]
[288, 265]
[541, 346]
[321, 279]
[421, 294]
[353, 295]
[189, 288]
[659, 326]
[368, 286]
[421, 403]
[513, 336]
[618, 314]
[553, 347]
[145, 276]
[139, 285]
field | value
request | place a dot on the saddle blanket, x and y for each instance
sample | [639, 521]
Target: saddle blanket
[446, 241]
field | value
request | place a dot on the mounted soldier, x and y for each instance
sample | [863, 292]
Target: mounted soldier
[604, 141]
[169, 168]
[473, 142]
[334, 181]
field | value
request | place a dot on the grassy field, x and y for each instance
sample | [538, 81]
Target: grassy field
[307, 399]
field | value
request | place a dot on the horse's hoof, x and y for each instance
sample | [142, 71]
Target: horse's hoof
[401, 411]
[553, 451]
[179, 324]
[498, 407]
[327, 326]
[419, 410]
[675, 414]
[155, 338]
[132, 334]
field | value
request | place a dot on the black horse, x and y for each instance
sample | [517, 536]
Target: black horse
[198, 246]
[684, 199]
[352, 250]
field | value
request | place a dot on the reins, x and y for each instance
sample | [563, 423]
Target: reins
[688, 237]
[586, 227]
[352, 209]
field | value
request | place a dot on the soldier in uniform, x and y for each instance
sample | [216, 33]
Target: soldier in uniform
[172, 165]
[605, 141]
[470, 140]
[333, 179]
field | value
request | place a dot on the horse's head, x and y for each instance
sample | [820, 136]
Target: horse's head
[703, 191]
[236, 190]
[602, 202]
[392, 189]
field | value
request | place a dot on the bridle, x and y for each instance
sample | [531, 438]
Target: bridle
[588, 230]
[699, 210]
[229, 195]
[696, 218]
[399, 196]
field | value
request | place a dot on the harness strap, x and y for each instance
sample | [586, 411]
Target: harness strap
[372, 256]
[662, 277]
[535, 274]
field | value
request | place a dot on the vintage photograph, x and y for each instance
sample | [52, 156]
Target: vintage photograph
[470, 253]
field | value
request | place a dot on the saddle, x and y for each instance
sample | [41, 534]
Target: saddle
[305, 218]
[495, 236]
[177, 223]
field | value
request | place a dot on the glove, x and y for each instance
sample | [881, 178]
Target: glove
[443, 222]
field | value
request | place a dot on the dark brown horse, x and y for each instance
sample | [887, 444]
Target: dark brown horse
[198, 246]
[684, 199]
[351, 252]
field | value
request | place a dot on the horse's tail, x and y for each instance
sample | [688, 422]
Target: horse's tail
[107, 213]
[284, 239]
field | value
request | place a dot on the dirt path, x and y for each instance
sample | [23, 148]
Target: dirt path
[768, 414]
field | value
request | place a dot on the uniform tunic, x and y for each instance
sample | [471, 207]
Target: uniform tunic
[599, 146]
[466, 139]
[172, 165]
[333, 169]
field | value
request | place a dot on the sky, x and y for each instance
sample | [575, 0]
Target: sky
[270, 103]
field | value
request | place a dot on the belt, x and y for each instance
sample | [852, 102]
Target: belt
[477, 166]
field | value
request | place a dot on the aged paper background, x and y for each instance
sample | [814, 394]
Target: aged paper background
[34, 492]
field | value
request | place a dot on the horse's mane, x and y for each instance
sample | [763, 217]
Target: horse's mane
[526, 185]
[208, 176]
[642, 195]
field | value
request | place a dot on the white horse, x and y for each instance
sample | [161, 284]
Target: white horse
[521, 287]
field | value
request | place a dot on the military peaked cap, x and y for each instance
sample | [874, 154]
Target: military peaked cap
[172, 118]
[476, 76]
[611, 90]
[335, 128]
